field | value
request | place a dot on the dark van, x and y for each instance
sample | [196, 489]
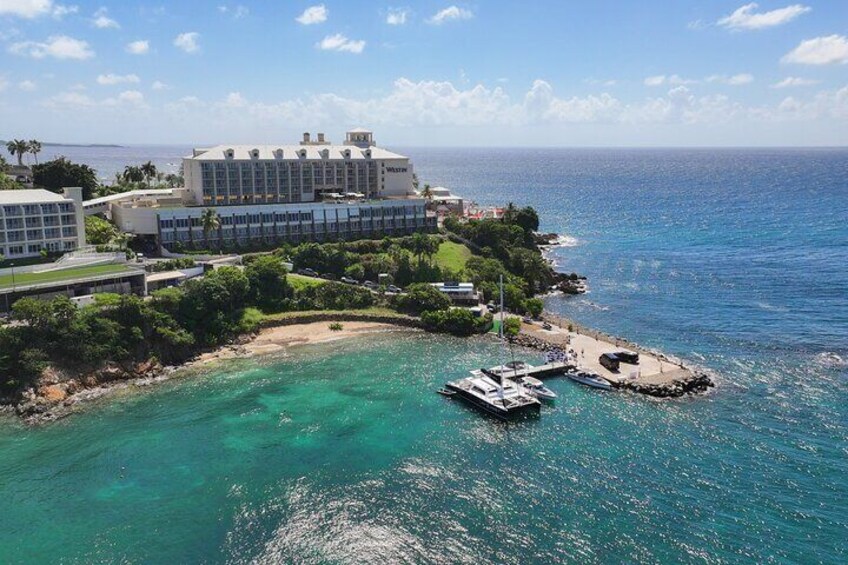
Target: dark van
[630, 357]
[610, 361]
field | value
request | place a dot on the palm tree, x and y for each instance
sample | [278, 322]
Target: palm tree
[149, 171]
[509, 213]
[427, 193]
[133, 174]
[18, 147]
[35, 148]
[210, 221]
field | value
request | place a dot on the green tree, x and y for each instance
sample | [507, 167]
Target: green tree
[59, 173]
[18, 148]
[268, 284]
[132, 174]
[99, 231]
[421, 297]
[534, 307]
[511, 326]
[355, 271]
[35, 148]
[211, 222]
[527, 218]
[149, 171]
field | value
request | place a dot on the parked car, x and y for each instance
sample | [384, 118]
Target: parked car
[547, 326]
[371, 285]
[393, 288]
[610, 361]
[527, 320]
[630, 357]
[348, 280]
[328, 276]
[307, 272]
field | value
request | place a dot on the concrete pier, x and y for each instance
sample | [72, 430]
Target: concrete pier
[655, 374]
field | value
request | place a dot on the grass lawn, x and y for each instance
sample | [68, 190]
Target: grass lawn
[452, 255]
[299, 282]
[64, 274]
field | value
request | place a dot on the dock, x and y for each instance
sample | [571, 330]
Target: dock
[552, 369]
[655, 375]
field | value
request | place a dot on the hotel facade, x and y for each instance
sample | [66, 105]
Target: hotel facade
[32, 220]
[311, 191]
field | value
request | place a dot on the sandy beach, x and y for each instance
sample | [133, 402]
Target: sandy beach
[276, 339]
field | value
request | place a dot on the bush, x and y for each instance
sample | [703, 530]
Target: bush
[456, 321]
[534, 307]
[421, 297]
[333, 296]
[250, 320]
[511, 327]
[336, 327]
[172, 264]
[269, 288]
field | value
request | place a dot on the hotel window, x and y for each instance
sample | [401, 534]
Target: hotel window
[253, 218]
[69, 219]
[12, 211]
[49, 209]
[31, 209]
[195, 222]
[34, 234]
[34, 248]
[70, 231]
[166, 224]
[241, 219]
[66, 207]
[182, 222]
[267, 218]
[33, 222]
[14, 223]
[16, 250]
[51, 233]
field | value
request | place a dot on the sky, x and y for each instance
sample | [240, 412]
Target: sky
[427, 73]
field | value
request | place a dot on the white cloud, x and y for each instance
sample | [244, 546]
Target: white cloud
[56, 46]
[101, 20]
[660, 80]
[34, 8]
[60, 11]
[449, 14]
[235, 100]
[69, 99]
[27, 85]
[313, 15]
[397, 16]
[133, 97]
[190, 100]
[819, 51]
[3, 84]
[746, 18]
[159, 85]
[188, 42]
[733, 80]
[339, 42]
[140, 47]
[111, 78]
[240, 11]
[789, 82]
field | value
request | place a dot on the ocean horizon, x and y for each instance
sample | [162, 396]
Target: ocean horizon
[734, 260]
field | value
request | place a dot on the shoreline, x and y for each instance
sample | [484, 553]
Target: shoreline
[60, 397]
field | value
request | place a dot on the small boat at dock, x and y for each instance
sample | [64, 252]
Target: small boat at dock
[537, 388]
[590, 379]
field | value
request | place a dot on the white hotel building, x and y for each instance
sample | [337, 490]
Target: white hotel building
[311, 191]
[32, 220]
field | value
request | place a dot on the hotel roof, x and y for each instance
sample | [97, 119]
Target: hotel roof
[290, 152]
[29, 196]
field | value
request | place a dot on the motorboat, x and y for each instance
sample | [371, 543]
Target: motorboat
[537, 388]
[590, 379]
[495, 394]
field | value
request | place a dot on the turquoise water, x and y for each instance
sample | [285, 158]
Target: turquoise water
[733, 259]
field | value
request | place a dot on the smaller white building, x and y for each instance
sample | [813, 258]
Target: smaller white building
[32, 220]
[459, 292]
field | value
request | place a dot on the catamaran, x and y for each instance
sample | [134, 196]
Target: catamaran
[493, 391]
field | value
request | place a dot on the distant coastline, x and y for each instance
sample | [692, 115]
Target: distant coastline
[50, 144]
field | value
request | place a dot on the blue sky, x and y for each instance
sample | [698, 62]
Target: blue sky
[553, 73]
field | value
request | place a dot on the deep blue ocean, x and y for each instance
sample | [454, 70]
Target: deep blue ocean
[732, 259]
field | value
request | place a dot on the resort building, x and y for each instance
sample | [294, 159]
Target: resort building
[309, 172]
[271, 193]
[32, 220]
